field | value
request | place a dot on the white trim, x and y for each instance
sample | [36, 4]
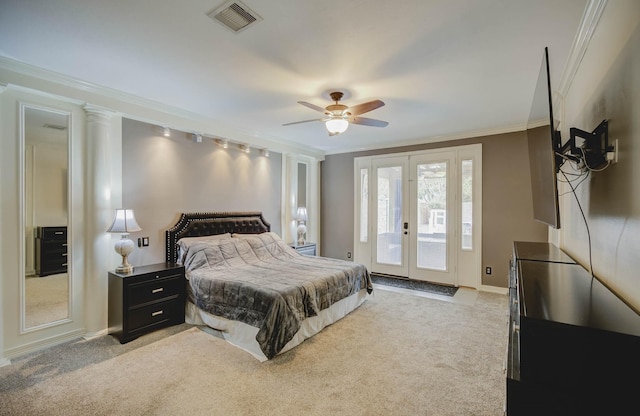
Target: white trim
[494, 289]
[91, 335]
[589, 22]
[435, 139]
[469, 151]
[141, 109]
[43, 343]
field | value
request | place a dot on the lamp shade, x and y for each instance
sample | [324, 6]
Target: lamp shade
[124, 222]
[337, 125]
[302, 214]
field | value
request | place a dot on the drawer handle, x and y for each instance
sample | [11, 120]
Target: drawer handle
[64, 254]
[59, 232]
[158, 290]
[64, 264]
[64, 244]
[157, 313]
[516, 327]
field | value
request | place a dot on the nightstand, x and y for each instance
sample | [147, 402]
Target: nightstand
[308, 249]
[149, 298]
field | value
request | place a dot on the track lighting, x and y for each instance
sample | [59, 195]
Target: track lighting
[245, 148]
[222, 143]
[196, 137]
[265, 152]
[167, 132]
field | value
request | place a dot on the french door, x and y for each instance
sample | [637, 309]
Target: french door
[418, 215]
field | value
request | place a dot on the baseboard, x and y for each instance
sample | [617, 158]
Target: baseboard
[4, 362]
[91, 335]
[42, 344]
[494, 289]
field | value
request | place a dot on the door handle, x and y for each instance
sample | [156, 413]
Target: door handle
[406, 227]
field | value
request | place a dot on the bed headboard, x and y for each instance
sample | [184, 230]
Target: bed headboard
[197, 224]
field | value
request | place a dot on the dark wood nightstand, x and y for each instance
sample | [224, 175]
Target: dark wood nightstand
[149, 298]
[308, 249]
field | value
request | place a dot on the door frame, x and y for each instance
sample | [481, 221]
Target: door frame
[469, 261]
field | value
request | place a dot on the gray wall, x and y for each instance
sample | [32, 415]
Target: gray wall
[607, 86]
[163, 177]
[507, 213]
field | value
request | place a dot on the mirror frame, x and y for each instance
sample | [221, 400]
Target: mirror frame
[23, 107]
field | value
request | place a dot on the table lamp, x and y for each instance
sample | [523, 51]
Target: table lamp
[124, 223]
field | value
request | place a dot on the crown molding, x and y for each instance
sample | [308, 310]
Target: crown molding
[590, 18]
[23, 75]
[434, 139]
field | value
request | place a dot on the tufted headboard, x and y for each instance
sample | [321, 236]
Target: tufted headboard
[198, 224]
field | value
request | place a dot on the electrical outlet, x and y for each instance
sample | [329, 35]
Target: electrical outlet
[348, 254]
[612, 155]
[145, 241]
[487, 270]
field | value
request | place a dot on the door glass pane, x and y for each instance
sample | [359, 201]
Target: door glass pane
[389, 233]
[432, 216]
[364, 204]
[467, 205]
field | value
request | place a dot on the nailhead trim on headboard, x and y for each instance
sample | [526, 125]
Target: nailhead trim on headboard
[197, 224]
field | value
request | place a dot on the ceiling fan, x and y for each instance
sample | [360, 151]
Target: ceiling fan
[339, 116]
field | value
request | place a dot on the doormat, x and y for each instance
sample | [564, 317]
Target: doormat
[413, 284]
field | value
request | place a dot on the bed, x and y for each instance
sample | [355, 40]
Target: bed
[245, 281]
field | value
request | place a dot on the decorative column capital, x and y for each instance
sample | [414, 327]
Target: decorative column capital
[99, 113]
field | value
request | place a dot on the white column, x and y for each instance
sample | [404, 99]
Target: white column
[98, 213]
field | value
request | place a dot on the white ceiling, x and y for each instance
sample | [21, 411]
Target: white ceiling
[444, 68]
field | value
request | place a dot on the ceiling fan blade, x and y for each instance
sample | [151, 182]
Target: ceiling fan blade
[364, 107]
[364, 121]
[303, 121]
[312, 106]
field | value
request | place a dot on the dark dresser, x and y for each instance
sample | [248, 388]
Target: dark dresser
[149, 298]
[51, 250]
[574, 346]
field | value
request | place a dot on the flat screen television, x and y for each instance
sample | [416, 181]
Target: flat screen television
[543, 141]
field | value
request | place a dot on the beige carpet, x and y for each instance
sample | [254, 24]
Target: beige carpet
[396, 355]
[47, 299]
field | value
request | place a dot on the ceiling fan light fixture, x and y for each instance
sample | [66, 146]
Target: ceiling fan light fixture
[337, 125]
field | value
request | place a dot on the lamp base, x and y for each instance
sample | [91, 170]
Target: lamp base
[302, 233]
[124, 269]
[124, 247]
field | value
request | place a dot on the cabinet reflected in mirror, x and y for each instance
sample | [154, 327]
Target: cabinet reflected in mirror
[45, 136]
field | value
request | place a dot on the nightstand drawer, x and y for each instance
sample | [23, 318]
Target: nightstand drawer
[155, 314]
[155, 290]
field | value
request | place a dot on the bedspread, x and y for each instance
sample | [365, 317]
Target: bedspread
[261, 281]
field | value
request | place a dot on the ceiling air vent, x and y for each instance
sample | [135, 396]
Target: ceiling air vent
[235, 16]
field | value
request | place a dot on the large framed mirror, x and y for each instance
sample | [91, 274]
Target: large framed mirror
[46, 281]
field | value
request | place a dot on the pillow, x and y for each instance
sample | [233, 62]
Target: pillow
[186, 242]
[238, 235]
[271, 233]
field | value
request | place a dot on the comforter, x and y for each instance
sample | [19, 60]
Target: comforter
[259, 280]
